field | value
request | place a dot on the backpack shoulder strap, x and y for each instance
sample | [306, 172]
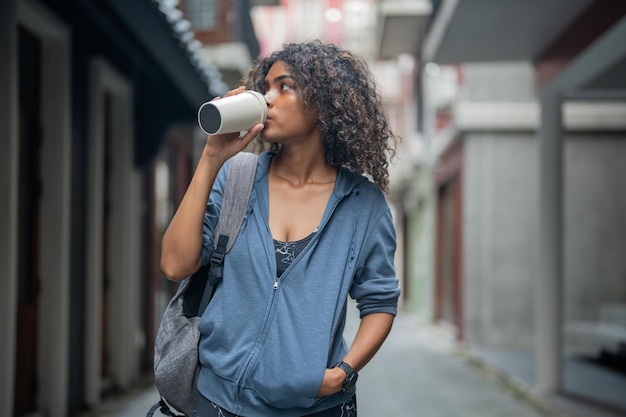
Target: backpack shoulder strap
[239, 185]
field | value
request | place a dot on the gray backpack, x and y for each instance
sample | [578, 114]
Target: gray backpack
[176, 364]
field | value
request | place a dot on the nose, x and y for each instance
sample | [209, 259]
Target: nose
[269, 97]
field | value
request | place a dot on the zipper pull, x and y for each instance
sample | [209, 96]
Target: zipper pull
[276, 283]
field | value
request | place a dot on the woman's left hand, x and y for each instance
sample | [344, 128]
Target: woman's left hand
[333, 382]
[373, 330]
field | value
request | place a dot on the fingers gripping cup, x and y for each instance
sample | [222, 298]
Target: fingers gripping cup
[232, 114]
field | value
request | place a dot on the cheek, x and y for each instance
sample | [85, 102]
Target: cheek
[270, 95]
[295, 110]
[310, 117]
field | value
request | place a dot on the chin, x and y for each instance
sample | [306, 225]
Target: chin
[266, 139]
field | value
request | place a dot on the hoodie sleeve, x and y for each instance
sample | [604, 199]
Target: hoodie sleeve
[212, 213]
[375, 287]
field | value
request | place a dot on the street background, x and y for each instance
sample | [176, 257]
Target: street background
[507, 192]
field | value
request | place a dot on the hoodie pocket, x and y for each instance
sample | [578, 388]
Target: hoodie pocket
[284, 385]
[288, 374]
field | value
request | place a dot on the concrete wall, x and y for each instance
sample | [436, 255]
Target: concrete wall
[595, 223]
[500, 203]
[500, 234]
[498, 82]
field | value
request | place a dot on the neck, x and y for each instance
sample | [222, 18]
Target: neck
[302, 167]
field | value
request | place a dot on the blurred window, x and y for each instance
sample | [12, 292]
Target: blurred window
[202, 14]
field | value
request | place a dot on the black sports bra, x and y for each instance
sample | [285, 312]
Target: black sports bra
[286, 252]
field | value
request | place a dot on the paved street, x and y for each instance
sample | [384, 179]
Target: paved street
[414, 374]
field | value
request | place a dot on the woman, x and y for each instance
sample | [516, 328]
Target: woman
[315, 232]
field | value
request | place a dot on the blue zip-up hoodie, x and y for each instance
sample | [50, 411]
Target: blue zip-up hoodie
[266, 342]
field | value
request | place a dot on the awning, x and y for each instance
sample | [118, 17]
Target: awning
[465, 31]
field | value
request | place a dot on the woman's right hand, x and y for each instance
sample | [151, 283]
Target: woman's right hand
[220, 148]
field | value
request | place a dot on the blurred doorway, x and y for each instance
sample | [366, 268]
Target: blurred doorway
[29, 192]
[449, 241]
[113, 336]
[43, 144]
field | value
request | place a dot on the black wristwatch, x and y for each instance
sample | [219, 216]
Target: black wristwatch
[351, 376]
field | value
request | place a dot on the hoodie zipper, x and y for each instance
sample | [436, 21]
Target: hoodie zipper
[275, 286]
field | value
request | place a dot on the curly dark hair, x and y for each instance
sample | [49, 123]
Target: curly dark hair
[338, 85]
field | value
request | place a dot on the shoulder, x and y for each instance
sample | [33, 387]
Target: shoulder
[361, 186]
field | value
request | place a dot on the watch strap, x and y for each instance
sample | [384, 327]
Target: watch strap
[346, 368]
[351, 376]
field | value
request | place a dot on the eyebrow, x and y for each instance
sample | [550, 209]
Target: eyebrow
[280, 78]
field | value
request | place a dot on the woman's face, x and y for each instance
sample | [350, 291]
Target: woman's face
[287, 120]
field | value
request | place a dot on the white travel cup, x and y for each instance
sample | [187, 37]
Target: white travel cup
[232, 114]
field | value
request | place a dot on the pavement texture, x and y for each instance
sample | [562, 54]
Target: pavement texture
[416, 373]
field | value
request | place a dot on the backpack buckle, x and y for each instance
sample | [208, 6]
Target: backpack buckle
[217, 258]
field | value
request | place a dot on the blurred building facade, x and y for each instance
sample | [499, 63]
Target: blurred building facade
[515, 221]
[91, 92]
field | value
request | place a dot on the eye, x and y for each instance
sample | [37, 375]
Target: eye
[286, 87]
